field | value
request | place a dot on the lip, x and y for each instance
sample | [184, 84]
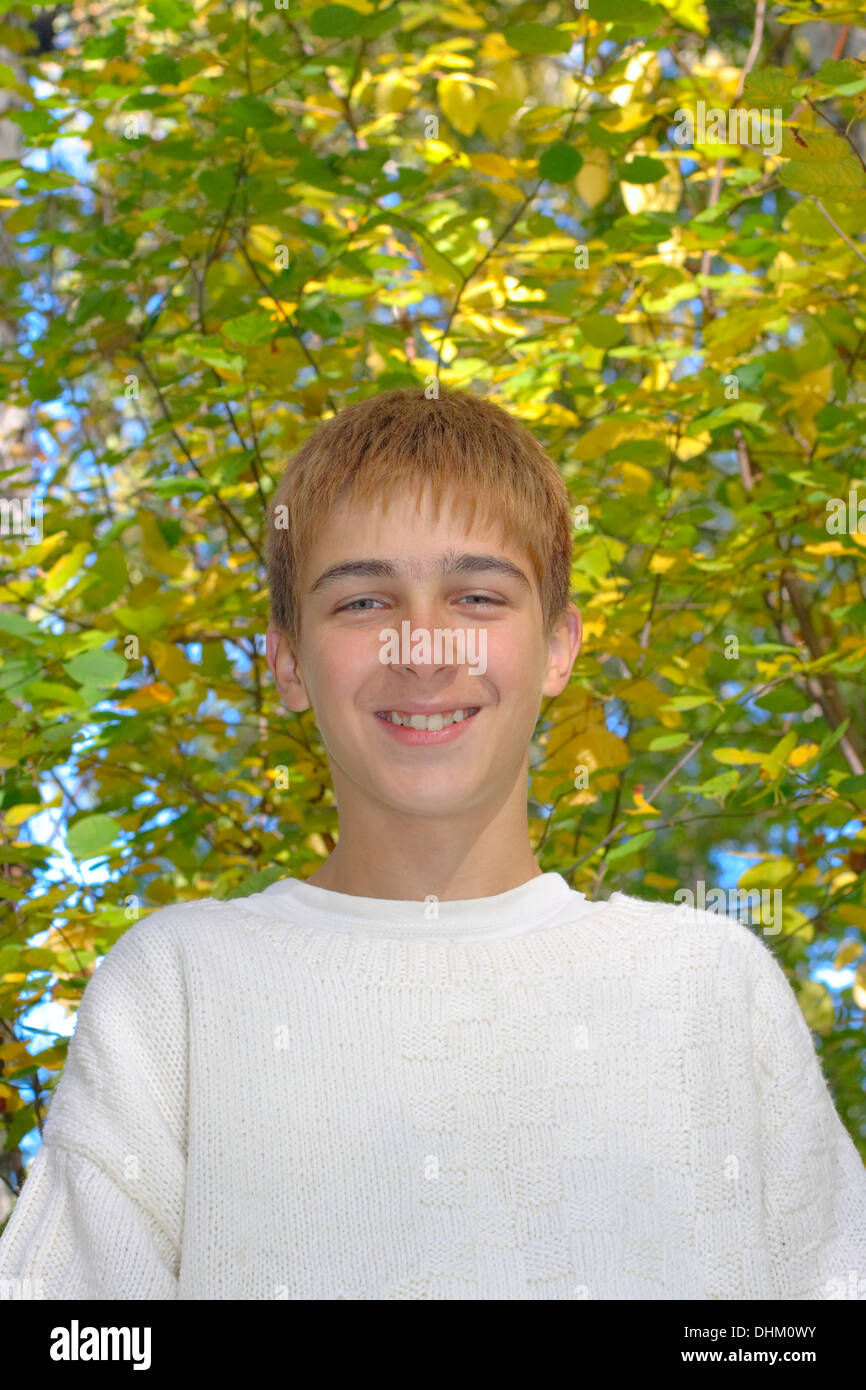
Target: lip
[415, 737]
[412, 708]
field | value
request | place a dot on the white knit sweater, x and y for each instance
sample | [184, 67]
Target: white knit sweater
[308, 1095]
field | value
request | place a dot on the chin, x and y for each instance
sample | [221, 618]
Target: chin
[446, 798]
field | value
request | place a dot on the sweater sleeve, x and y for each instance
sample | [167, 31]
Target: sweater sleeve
[100, 1214]
[813, 1178]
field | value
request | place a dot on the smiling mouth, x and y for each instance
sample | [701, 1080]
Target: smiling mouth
[431, 722]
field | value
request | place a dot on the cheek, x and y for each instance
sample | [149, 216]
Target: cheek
[510, 664]
[346, 662]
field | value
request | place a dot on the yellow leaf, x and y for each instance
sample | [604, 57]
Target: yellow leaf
[644, 807]
[154, 694]
[688, 448]
[463, 18]
[153, 543]
[842, 879]
[848, 951]
[264, 239]
[768, 874]
[636, 478]
[660, 564]
[494, 164]
[17, 815]
[460, 103]
[817, 1004]
[825, 548]
[593, 179]
[510, 80]
[661, 881]
[641, 74]
[51, 1057]
[598, 747]
[11, 1097]
[609, 433]
[663, 196]
[171, 664]
[497, 118]
[860, 987]
[628, 117]
[852, 914]
[735, 757]
[803, 754]
[395, 91]
[642, 697]
[280, 308]
[67, 567]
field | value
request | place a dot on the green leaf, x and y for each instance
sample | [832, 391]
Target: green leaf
[838, 72]
[255, 327]
[688, 701]
[560, 163]
[98, 668]
[171, 14]
[665, 742]
[770, 88]
[257, 882]
[251, 111]
[642, 169]
[91, 836]
[336, 22]
[837, 176]
[633, 15]
[19, 626]
[602, 330]
[783, 699]
[537, 38]
[630, 846]
[162, 69]
[22, 1122]
[208, 350]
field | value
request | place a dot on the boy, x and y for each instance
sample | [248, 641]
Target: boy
[431, 1070]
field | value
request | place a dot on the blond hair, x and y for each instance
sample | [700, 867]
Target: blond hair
[459, 444]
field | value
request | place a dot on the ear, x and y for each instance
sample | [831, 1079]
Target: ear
[564, 645]
[283, 666]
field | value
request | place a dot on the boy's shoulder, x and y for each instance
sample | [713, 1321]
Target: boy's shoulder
[166, 931]
[705, 935]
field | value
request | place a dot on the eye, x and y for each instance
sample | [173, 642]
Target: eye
[348, 606]
[484, 598]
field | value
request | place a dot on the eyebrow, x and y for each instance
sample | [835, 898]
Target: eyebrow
[449, 563]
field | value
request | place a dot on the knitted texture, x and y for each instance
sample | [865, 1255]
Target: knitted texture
[622, 1101]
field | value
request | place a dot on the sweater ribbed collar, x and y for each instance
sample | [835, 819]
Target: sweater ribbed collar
[541, 899]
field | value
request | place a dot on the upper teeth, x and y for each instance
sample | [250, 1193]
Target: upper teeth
[427, 721]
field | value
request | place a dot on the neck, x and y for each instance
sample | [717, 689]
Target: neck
[448, 860]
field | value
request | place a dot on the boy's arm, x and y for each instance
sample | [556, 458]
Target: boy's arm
[100, 1214]
[814, 1180]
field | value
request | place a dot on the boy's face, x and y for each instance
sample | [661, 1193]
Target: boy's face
[503, 669]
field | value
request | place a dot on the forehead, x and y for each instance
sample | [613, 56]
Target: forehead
[405, 522]
[403, 537]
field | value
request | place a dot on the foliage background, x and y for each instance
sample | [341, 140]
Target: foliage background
[219, 224]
